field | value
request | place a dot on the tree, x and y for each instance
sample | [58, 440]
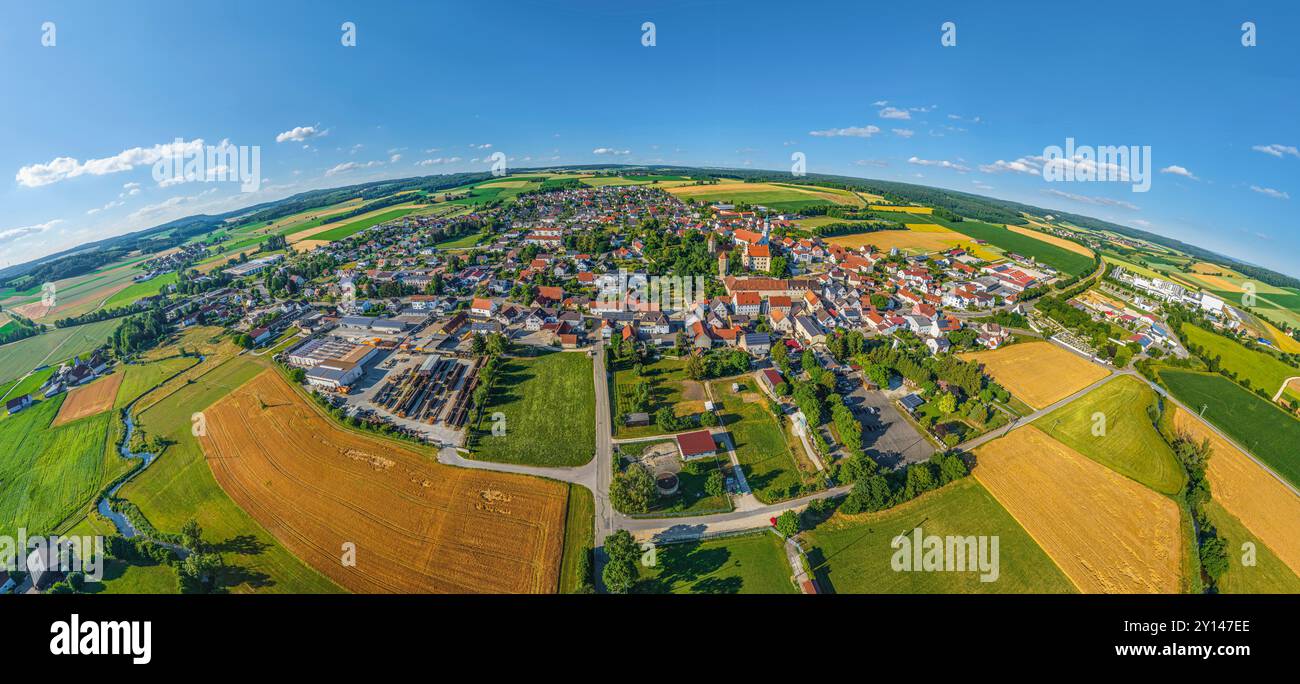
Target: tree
[788, 524]
[192, 536]
[715, 484]
[695, 368]
[947, 403]
[619, 577]
[621, 547]
[708, 419]
[666, 419]
[632, 490]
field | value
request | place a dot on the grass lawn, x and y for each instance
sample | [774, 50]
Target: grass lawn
[1131, 445]
[549, 404]
[179, 486]
[1260, 369]
[761, 446]
[579, 525]
[749, 564]
[1269, 575]
[124, 578]
[463, 242]
[1265, 430]
[852, 554]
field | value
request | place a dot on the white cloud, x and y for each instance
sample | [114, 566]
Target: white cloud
[894, 113]
[395, 158]
[130, 189]
[63, 168]
[1096, 201]
[1179, 171]
[1022, 165]
[1277, 150]
[9, 235]
[850, 132]
[940, 163]
[610, 150]
[484, 146]
[301, 133]
[879, 163]
[903, 132]
[351, 166]
[880, 103]
[1270, 192]
[437, 160]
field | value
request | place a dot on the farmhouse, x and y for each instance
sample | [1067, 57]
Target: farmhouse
[698, 444]
[15, 405]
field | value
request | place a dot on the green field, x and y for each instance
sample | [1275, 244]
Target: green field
[28, 385]
[1063, 260]
[142, 377]
[47, 474]
[761, 447]
[179, 486]
[691, 497]
[350, 229]
[1260, 426]
[137, 291]
[549, 404]
[18, 358]
[748, 564]
[1259, 369]
[122, 578]
[1130, 445]
[579, 523]
[1269, 575]
[463, 242]
[852, 554]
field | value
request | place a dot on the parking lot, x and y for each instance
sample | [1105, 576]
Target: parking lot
[377, 371]
[886, 436]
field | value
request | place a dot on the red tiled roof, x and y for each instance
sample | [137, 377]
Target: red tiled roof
[696, 443]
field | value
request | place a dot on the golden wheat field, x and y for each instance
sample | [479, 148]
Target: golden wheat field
[1051, 239]
[89, 400]
[417, 526]
[1107, 533]
[1265, 506]
[1039, 373]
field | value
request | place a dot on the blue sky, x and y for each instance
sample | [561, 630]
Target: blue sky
[742, 84]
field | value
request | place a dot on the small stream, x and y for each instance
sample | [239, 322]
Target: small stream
[124, 526]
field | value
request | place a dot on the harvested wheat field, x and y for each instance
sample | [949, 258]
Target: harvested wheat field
[308, 245]
[1107, 533]
[1263, 504]
[1038, 373]
[901, 209]
[1051, 239]
[418, 526]
[912, 239]
[89, 400]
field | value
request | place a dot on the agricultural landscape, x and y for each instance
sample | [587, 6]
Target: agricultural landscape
[488, 423]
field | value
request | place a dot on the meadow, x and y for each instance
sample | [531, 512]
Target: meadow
[48, 473]
[137, 291]
[762, 446]
[669, 386]
[579, 524]
[1254, 369]
[1129, 443]
[779, 197]
[549, 404]
[747, 564]
[1260, 426]
[851, 554]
